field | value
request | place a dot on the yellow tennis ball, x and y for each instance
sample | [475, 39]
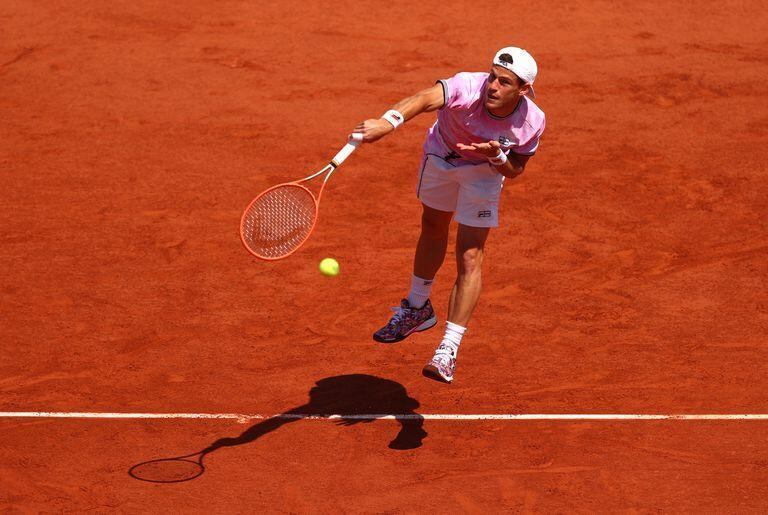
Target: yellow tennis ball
[329, 267]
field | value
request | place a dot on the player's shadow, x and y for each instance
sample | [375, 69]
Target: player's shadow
[349, 396]
[354, 399]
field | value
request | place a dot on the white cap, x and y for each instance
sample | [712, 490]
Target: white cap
[519, 62]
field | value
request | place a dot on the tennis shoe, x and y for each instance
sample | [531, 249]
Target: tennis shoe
[405, 321]
[442, 365]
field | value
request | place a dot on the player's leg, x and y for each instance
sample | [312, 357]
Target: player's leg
[477, 209]
[470, 242]
[416, 313]
[438, 191]
[430, 253]
[433, 242]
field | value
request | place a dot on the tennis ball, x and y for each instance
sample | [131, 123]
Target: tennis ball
[329, 267]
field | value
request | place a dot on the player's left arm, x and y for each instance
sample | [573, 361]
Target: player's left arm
[514, 164]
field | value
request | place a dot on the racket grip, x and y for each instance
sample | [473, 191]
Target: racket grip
[354, 140]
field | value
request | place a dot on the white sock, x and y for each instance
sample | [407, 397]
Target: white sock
[453, 335]
[419, 291]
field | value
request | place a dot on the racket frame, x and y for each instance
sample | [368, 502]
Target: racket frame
[354, 141]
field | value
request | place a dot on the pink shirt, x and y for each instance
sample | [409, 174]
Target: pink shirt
[464, 119]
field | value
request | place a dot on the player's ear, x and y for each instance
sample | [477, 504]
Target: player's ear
[525, 89]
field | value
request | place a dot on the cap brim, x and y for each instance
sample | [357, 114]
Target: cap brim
[531, 93]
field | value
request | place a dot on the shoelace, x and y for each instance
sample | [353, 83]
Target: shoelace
[444, 354]
[398, 316]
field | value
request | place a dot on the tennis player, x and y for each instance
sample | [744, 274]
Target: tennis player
[487, 129]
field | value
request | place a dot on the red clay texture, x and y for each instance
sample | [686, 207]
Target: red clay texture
[628, 274]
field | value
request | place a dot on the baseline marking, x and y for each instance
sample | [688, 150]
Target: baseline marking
[244, 418]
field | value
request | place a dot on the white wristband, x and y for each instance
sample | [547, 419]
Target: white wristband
[499, 160]
[394, 117]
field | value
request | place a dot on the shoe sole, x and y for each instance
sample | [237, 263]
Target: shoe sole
[431, 372]
[427, 324]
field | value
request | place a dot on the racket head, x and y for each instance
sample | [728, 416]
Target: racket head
[277, 222]
[168, 470]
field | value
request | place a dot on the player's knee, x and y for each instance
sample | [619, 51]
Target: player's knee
[470, 261]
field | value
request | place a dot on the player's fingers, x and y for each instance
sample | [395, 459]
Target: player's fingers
[374, 130]
[360, 127]
[494, 144]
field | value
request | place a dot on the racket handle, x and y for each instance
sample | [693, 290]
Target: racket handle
[354, 141]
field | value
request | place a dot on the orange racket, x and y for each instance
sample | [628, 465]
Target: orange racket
[277, 222]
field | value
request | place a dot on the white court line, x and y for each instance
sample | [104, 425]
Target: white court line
[244, 418]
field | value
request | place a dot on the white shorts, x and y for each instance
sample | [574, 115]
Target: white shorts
[470, 191]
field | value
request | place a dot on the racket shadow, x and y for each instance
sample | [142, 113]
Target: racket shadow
[351, 399]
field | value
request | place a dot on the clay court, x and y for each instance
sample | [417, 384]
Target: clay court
[628, 276]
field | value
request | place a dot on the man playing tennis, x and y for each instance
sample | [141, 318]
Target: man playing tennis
[486, 130]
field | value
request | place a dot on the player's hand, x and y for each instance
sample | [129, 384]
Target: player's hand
[374, 129]
[490, 149]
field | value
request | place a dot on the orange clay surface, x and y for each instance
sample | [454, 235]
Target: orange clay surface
[628, 274]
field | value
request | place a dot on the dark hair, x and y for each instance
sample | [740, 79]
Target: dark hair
[506, 58]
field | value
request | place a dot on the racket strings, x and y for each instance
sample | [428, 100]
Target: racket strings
[279, 221]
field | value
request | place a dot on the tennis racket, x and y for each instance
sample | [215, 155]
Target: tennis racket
[277, 222]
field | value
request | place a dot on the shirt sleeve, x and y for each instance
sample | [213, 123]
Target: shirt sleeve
[457, 90]
[529, 147]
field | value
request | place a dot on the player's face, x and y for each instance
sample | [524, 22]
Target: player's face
[504, 89]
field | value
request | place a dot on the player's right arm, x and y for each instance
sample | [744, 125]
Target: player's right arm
[424, 101]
